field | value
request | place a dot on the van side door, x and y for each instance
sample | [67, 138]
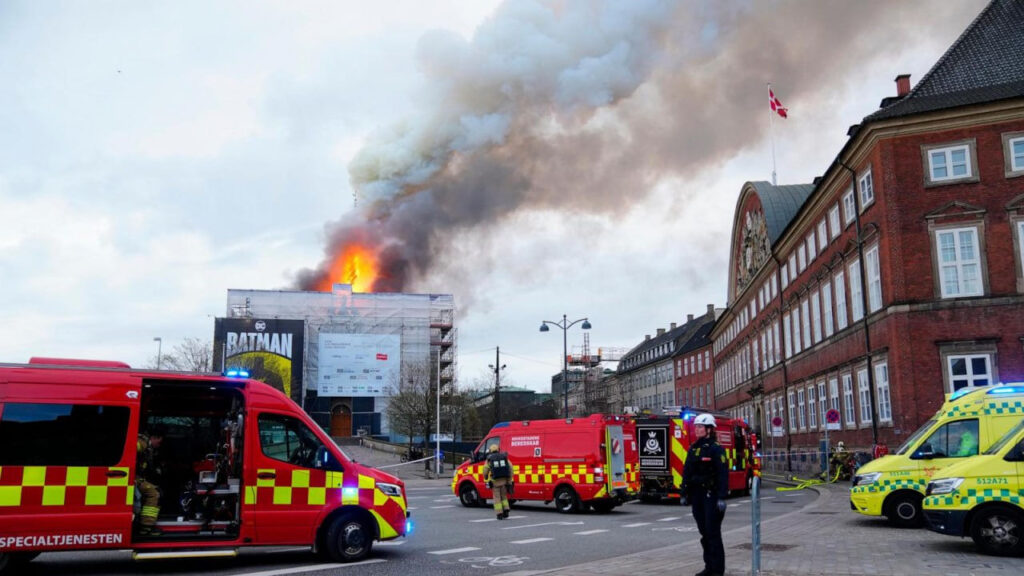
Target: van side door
[66, 458]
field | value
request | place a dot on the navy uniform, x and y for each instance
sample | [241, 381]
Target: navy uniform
[706, 484]
[498, 474]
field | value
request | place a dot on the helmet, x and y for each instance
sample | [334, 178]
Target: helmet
[841, 447]
[705, 420]
[493, 448]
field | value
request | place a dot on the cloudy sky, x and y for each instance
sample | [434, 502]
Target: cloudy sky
[534, 158]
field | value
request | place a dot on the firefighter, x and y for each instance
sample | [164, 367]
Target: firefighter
[145, 475]
[498, 474]
[706, 484]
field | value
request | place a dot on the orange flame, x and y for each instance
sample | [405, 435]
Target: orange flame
[355, 265]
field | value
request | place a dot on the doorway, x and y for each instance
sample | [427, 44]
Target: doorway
[341, 421]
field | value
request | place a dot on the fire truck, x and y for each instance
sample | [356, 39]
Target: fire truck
[239, 464]
[577, 463]
[664, 440]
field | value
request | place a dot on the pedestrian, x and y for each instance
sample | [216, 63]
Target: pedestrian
[706, 484]
[498, 472]
[146, 472]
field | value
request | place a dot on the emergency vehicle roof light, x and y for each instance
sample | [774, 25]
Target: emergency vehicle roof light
[237, 373]
[962, 392]
[1019, 388]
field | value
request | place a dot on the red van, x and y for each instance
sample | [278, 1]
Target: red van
[240, 465]
[575, 462]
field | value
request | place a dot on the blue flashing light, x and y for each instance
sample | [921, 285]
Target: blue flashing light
[961, 392]
[688, 416]
[237, 373]
[350, 492]
[1007, 390]
[408, 527]
[501, 425]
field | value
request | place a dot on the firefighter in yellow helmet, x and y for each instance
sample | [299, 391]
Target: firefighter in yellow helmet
[145, 475]
[498, 472]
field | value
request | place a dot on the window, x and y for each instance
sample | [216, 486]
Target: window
[788, 334]
[792, 412]
[826, 307]
[848, 407]
[867, 189]
[796, 330]
[775, 342]
[957, 439]
[800, 409]
[822, 235]
[856, 294]
[1014, 154]
[865, 396]
[792, 267]
[289, 440]
[959, 262]
[812, 248]
[840, 284]
[882, 392]
[771, 284]
[707, 359]
[806, 317]
[785, 275]
[833, 221]
[952, 163]
[874, 279]
[816, 315]
[801, 257]
[833, 393]
[62, 434]
[700, 363]
[812, 408]
[849, 207]
[969, 370]
[1020, 243]
[822, 403]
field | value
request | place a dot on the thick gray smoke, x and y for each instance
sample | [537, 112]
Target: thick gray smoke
[584, 105]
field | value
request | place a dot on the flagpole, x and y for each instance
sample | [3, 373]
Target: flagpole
[771, 131]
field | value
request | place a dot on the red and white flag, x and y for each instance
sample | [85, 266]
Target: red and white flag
[777, 106]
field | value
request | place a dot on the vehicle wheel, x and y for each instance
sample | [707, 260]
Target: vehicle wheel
[999, 532]
[602, 506]
[904, 510]
[349, 538]
[749, 485]
[566, 500]
[468, 495]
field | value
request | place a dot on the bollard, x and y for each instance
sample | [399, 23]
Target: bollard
[755, 527]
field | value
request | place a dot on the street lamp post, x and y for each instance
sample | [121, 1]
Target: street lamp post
[565, 325]
[497, 367]
[159, 348]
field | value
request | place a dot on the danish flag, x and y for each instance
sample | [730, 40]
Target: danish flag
[777, 106]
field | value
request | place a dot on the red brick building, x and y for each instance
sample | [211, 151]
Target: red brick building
[898, 276]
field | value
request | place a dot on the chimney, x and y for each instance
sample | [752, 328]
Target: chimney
[673, 326]
[647, 337]
[902, 85]
[661, 331]
[711, 309]
[689, 317]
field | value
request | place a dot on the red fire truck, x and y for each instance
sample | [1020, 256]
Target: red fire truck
[240, 465]
[663, 442]
[575, 462]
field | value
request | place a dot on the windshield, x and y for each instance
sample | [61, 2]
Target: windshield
[1006, 438]
[916, 436]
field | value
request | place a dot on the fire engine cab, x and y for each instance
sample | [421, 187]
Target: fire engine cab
[240, 464]
[663, 442]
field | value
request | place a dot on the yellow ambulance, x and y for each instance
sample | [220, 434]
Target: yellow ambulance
[983, 497]
[968, 423]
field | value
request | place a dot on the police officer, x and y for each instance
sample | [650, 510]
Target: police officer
[145, 475]
[706, 484]
[498, 474]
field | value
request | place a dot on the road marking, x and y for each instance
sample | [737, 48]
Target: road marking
[439, 507]
[669, 519]
[315, 568]
[390, 543]
[445, 499]
[580, 523]
[412, 508]
[635, 524]
[495, 519]
[415, 497]
[530, 540]
[453, 550]
[589, 532]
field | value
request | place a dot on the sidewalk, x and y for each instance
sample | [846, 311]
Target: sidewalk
[826, 538]
[409, 472]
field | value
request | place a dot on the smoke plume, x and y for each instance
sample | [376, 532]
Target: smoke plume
[585, 105]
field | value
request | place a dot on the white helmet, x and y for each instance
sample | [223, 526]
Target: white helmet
[705, 420]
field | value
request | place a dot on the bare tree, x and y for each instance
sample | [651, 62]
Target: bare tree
[411, 409]
[191, 355]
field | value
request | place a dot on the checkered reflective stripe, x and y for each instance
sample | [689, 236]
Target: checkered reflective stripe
[890, 485]
[633, 477]
[29, 487]
[317, 488]
[972, 497]
[548, 473]
[990, 407]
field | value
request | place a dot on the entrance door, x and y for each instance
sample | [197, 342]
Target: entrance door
[341, 421]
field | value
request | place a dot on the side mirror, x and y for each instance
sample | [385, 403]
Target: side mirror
[1015, 455]
[925, 452]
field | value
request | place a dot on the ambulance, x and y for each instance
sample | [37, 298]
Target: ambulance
[968, 423]
[983, 497]
[240, 464]
[663, 442]
[577, 463]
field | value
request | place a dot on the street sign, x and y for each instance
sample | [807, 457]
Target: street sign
[832, 419]
[777, 430]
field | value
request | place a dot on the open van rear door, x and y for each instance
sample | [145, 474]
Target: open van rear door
[615, 456]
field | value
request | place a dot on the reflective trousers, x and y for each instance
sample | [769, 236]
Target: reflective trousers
[150, 503]
[500, 490]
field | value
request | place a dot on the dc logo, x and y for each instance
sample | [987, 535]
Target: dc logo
[261, 325]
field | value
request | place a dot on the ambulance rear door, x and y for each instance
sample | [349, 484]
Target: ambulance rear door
[615, 456]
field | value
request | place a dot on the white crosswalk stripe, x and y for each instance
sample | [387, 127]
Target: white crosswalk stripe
[453, 550]
[669, 519]
[530, 540]
[635, 524]
[589, 532]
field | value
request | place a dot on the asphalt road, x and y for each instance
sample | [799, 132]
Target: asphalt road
[451, 539]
